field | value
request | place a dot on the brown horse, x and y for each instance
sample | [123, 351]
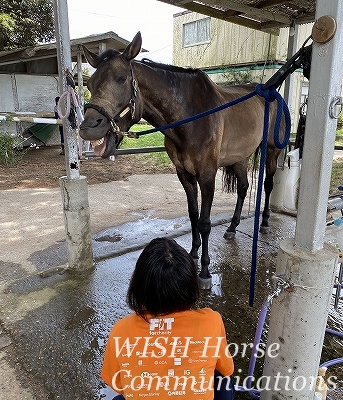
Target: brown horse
[125, 90]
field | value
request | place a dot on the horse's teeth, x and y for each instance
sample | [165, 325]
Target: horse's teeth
[98, 142]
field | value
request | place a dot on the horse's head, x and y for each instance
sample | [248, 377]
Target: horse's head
[114, 104]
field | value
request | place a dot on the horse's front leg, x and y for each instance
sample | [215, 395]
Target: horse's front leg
[240, 171]
[190, 186]
[207, 186]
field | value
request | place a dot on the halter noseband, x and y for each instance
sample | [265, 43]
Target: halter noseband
[130, 107]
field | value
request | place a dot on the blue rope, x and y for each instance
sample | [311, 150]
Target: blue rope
[197, 116]
[269, 95]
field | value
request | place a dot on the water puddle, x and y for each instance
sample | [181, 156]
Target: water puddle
[81, 318]
[109, 238]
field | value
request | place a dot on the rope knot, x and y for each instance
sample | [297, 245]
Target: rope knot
[269, 94]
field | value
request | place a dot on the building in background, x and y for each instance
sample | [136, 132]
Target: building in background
[231, 53]
[29, 83]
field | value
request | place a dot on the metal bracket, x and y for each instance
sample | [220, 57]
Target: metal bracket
[336, 102]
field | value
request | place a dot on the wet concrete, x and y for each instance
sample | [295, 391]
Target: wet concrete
[58, 323]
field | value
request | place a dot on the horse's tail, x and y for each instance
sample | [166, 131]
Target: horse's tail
[229, 179]
[255, 160]
[254, 163]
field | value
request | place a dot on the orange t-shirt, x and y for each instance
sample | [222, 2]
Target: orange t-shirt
[171, 356]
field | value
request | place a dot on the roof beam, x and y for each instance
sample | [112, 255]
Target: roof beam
[271, 3]
[229, 16]
[252, 12]
[202, 9]
[255, 17]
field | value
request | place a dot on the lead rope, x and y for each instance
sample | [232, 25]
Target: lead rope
[194, 117]
[72, 102]
[269, 95]
[73, 109]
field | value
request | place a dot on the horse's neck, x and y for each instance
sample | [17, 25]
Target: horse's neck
[160, 107]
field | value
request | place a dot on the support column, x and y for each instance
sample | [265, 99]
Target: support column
[298, 322]
[76, 222]
[298, 318]
[73, 186]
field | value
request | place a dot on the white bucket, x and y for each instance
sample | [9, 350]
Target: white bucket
[291, 189]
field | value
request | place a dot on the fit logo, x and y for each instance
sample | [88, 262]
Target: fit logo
[161, 324]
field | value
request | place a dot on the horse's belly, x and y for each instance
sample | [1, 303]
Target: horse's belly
[233, 154]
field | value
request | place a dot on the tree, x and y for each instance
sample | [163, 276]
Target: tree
[25, 23]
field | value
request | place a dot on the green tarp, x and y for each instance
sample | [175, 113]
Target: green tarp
[43, 132]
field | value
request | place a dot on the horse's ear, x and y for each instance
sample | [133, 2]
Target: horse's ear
[92, 58]
[133, 48]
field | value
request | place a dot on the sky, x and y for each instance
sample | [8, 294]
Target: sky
[152, 18]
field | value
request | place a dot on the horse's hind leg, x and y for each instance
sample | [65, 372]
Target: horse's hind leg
[240, 171]
[271, 164]
[190, 186]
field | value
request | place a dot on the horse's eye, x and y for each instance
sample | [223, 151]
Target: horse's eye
[120, 79]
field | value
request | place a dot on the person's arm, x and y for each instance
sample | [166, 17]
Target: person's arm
[225, 361]
[110, 371]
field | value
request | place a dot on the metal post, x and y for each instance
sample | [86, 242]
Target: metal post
[80, 78]
[73, 187]
[291, 49]
[276, 197]
[81, 97]
[299, 316]
[65, 68]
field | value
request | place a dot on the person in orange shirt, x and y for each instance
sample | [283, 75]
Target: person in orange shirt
[167, 348]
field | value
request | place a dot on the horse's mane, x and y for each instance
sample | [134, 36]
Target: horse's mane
[168, 67]
[107, 54]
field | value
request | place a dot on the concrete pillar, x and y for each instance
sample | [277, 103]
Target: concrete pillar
[298, 317]
[298, 322]
[73, 186]
[76, 217]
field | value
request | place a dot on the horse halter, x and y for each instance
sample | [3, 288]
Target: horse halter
[131, 107]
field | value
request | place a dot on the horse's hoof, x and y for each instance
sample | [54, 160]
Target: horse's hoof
[228, 235]
[205, 283]
[264, 229]
[196, 261]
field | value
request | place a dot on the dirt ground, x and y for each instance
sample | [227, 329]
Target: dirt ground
[42, 168]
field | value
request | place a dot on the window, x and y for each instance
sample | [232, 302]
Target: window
[196, 32]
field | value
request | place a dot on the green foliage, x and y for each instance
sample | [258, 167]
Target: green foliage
[25, 23]
[233, 76]
[9, 153]
[336, 176]
[86, 94]
[149, 140]
[339, 137]
[340, 122]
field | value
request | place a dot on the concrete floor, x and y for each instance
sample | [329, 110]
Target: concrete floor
[59, 323]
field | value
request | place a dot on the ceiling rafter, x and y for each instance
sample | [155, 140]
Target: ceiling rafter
[265, 15]
[249, 11]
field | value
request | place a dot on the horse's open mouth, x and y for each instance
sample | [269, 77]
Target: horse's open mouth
[99, 146]
[105, 146]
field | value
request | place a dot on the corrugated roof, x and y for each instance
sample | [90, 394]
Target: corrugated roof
[48, 50]
[265, 15]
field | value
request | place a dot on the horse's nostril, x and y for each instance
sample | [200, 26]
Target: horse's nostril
[98, 121]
